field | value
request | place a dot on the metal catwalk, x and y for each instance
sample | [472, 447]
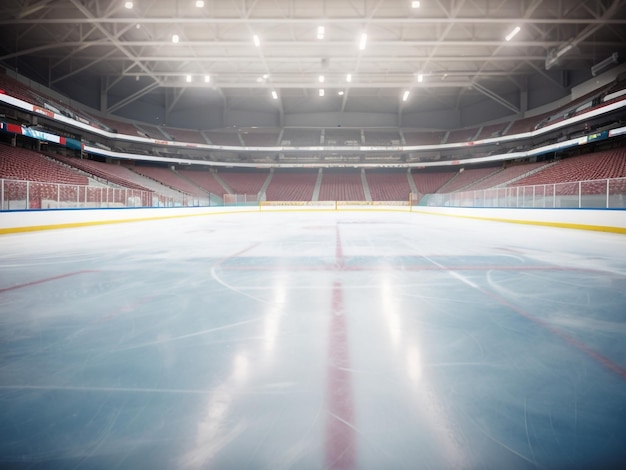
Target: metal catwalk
[313, 340]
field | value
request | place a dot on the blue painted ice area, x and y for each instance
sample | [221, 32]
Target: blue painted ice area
[313, 340]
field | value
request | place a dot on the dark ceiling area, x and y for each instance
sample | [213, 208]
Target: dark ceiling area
[274, 62]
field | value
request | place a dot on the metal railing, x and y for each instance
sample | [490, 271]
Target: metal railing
[20, 195]
[590, 194]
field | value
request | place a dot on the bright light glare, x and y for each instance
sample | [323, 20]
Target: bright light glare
[420, 78]
[363, 41]
[340, 93]
[257, 41]
[321, 92]
[199, 3]
[321, 78]
[320, 32]
[274, 95]
[175, 38]
[406, 95]
[188, 78]
[415, 4]
[207, 79]
[129, 5]
[349, 78]
[513, 33]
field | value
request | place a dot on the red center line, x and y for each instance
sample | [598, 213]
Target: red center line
[48, 279]
[339, 249]
[340, 438]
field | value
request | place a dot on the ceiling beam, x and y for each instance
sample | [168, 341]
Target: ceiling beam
[376, 59]
[347, 45]
[239, 84]
[496, 97]
[313, 21]
[129, 99]
[370, 16]
[84, 67]
[112, 38]
[34, 8]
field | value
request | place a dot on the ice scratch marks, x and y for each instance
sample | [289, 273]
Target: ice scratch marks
[599, 358]
[530, 446]
[191, 335]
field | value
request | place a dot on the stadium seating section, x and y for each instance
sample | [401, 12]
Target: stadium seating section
[244, 182]
[607, 164]
[203, 179]
[342, 185]
[388, 185]
[171, 179]
[292, 185]
[27, 165]
[299, 185]
[185, 135]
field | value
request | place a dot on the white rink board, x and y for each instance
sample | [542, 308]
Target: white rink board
[592, 219]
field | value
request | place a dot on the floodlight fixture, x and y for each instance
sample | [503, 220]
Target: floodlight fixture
[363, 41]
[513, 33]
[610, 60]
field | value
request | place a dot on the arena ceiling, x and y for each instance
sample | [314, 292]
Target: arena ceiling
[255, 54]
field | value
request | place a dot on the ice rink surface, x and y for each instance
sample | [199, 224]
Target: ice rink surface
[313, 341]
